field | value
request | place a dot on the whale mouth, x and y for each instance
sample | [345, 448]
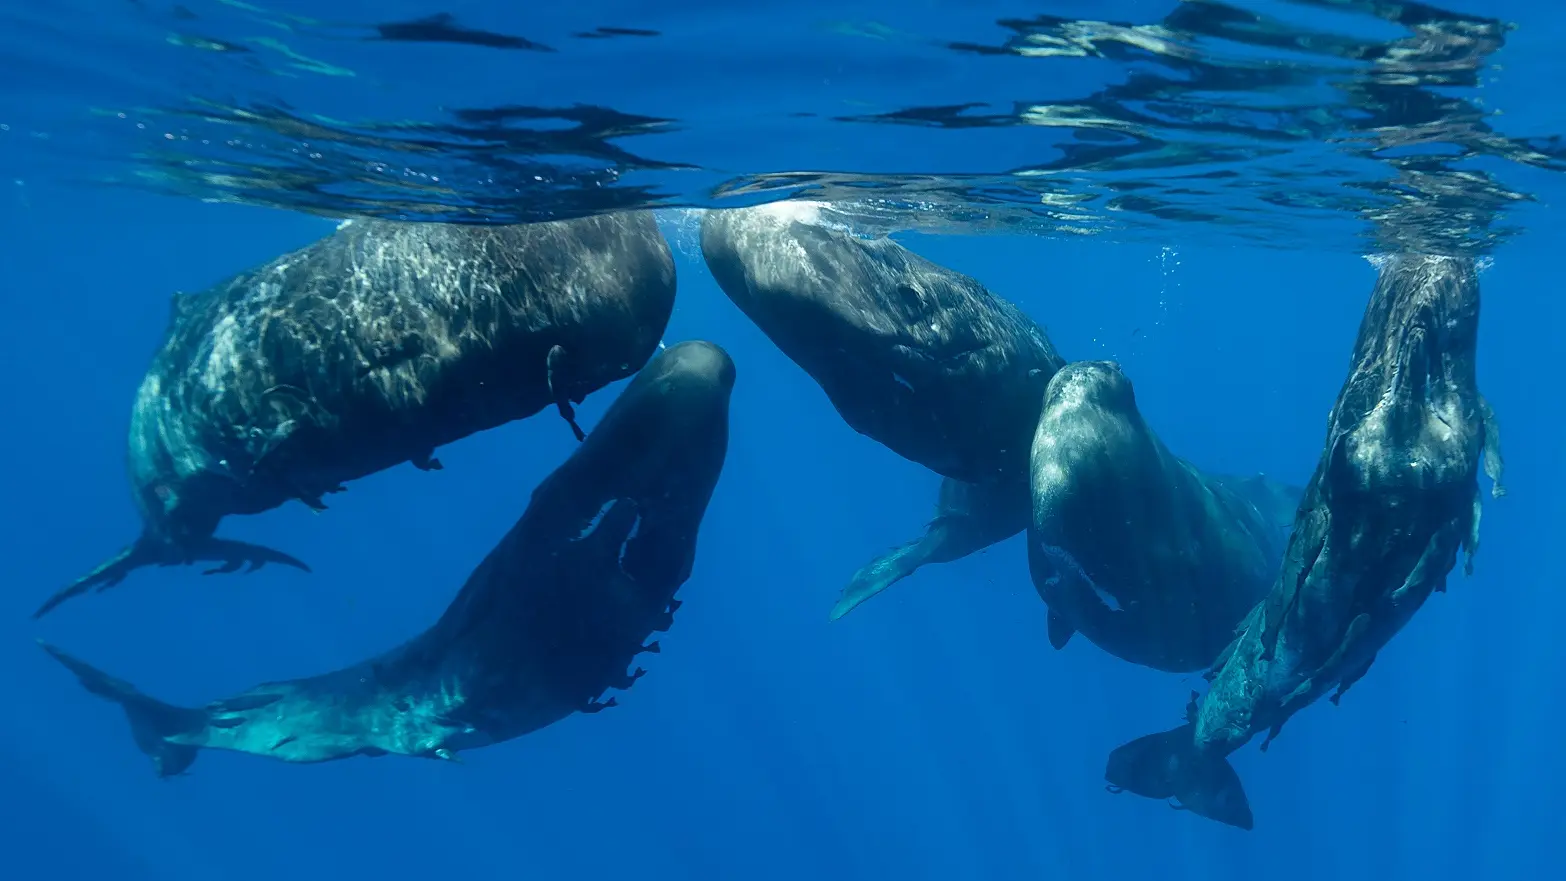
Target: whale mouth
[1063, 561]
[1090, 383]
[595, 521]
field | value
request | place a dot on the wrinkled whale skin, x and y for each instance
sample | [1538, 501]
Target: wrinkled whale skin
[544, 625]
[1394, 499]
[1152, 559]
[370, 347]
[919, 358]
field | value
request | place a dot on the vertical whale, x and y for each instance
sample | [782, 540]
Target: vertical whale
[1152, 559]
[1393, 500]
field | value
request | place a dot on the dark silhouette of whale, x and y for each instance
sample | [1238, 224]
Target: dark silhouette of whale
[1394, 496]
[917, 357]
[547, 622]
[368, 348]
[1149, 557]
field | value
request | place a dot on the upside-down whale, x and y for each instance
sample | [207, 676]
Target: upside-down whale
[546, 624]
[370, 347]
[1152, 559]
[1394, 497]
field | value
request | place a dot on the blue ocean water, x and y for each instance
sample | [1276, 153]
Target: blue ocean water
[934, 734]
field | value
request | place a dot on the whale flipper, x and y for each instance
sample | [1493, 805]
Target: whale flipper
[888, 569]
[1494, 462]
[555, 369]
[1060, 630]
[232, 555]
[1167, 765]
[969, 517]
[152, 722]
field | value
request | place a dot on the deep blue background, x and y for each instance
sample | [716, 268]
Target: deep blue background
[932, 734]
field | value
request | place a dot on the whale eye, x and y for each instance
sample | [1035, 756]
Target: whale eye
[909, 296]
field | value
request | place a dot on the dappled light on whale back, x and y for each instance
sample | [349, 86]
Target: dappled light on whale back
[1243, 120]
[629, 418]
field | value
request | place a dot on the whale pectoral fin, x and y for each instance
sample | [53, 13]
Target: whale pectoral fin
[969, 518]
[312, 500]
[1060, 632]
[1272, 734]
[426, 461]
[1470, 538]
[1494, 463]
[880, 574]
[1348, 681]
[555, 367]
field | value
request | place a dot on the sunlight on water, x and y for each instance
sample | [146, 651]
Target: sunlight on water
[1090, 447]
[1283, 123]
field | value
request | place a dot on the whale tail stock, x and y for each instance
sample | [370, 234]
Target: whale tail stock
[152, 722]
[1168, 765]
[148, 551]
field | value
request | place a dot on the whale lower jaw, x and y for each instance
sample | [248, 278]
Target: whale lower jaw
[1064, 562]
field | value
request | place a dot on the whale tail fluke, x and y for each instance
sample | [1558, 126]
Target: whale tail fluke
[888, 569]
[152, 722]
[231, 555]
[1168, 765]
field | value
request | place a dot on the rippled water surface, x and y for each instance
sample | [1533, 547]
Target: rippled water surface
[938, 734]
[1295, 123]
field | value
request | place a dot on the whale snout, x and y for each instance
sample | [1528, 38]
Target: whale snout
[1098, 383]
[697, 364]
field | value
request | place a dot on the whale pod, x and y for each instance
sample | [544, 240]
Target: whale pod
[368, 348]
[546, 623]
